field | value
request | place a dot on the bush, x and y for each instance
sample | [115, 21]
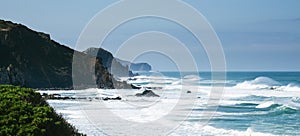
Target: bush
[24, 112]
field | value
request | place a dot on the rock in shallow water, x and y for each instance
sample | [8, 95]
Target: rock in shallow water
[147, 93]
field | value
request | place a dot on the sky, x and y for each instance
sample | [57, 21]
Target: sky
[256, 35]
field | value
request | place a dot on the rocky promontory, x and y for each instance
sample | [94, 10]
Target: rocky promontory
[32, 59]
[111, 62]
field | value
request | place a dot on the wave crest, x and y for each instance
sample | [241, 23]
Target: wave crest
[258, 83]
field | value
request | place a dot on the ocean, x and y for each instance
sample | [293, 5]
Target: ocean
[250, 103]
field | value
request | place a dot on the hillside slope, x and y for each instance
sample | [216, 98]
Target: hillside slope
[31, 59]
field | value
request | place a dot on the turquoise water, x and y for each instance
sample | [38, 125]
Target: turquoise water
[284, 78]
[271, 113]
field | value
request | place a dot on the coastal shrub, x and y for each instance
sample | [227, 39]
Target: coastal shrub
[24, 112]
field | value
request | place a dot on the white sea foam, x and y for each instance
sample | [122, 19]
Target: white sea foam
[228, 102]
[283, 102]
[176, 82]
[265, 105]
[192, 77]
[220, 114]
[191, 129]
[76, 116]
[289, 87]
[258, 83]
[151, 79]
[234, 92]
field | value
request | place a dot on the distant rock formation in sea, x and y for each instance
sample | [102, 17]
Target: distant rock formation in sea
[136, 66]
[31, 59]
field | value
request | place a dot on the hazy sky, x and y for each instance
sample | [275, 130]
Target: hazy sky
[256, 34]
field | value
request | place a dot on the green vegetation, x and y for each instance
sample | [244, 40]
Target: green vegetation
[24, 112]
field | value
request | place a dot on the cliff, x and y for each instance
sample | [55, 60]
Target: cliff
[31, 59]
[122, 65]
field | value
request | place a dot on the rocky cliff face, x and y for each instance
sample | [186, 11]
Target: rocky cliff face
[121, 65]
[32, 59]
[111, 63]
[105, 56]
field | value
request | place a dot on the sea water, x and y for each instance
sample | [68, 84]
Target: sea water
[251, 103]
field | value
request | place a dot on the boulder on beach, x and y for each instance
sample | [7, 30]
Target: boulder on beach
[147, 93]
